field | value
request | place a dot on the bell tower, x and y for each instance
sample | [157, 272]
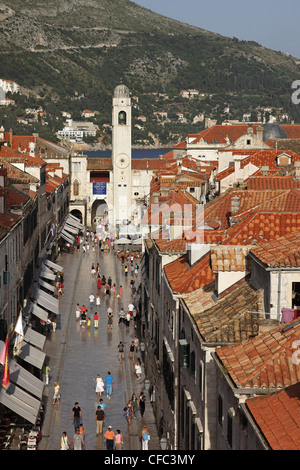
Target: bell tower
[121, 154]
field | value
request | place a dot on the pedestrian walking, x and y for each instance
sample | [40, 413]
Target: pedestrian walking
[64, 442]
[131, 352]
[109, 438]
[81, 430]
[92, 300]
[98, 302]
[122, 318]
[136, 343]
[78, 441]
[118, 440]
[142, 403]
[77, 312]
[100, 418]
[53, 323]
[56, 395]
[99, 385]
[130, 309]
[134, 402]
[109, 381]
[109, 320]
[102, 405]
[120, 292]
[128, 319]
[113, 289]
[145, 438]
[96, 320]
[46, 374]
[138, 369]
[76, 415]
[136, 270]
[121, 352]
[129, 412]
[82, 321]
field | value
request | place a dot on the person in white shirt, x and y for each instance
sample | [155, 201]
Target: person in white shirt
[92, 299]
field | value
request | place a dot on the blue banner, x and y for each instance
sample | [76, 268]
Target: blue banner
[99, 188]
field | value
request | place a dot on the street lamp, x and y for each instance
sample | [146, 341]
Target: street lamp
[147, 384]
[163, 443]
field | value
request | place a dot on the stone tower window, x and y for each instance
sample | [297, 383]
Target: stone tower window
[122, 118]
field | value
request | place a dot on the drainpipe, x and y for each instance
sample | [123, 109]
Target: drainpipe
[279, 294]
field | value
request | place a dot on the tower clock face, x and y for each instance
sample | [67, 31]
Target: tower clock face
[122, 161]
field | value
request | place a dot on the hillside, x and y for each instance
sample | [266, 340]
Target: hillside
[91, 45]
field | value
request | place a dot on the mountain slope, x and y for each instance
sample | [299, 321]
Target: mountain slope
[91, 45]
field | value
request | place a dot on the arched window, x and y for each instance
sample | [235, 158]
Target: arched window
[122, 118]
[76, 188]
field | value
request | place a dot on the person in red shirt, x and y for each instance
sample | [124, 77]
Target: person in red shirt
[96, 318]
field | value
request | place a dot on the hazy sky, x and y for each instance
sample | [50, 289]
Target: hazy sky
[271, 23]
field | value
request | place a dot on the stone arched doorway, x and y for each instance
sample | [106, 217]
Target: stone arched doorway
[99, 212]
[77, 213]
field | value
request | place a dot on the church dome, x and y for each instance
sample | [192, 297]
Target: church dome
[273, 131]
[121, 91]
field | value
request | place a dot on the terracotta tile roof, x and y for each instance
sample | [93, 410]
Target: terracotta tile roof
[233, 132]
[265, 361]
[281, 252]
[177, 245]
[15, 175]
[271, 183]
[227, 319]
[152, 163]
[20, 142]
[219, 208]
[229, 258]
[185, 278]
[8, 220]
[261, 227]
[259, 159]
[14, 156]
[269, 158]
[99, 164]
[278, 418]
[14, 198]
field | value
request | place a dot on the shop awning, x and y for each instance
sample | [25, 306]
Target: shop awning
[24, 379]
[39, 312]
[71, 220]
[52, 265]
[67, 236]
[46, 273]
[47, 301]
[71, 228]
[32, 355]
[33, 337]
[20, 402]
[46, 285]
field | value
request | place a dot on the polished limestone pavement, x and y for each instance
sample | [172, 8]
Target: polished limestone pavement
[77, 354]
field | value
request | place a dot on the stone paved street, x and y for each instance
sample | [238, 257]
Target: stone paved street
[77, 354]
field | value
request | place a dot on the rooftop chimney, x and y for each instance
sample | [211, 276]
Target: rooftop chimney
[235, 205]
[265, 170]
[260, 132]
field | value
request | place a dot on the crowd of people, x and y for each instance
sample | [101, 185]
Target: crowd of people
[88, 316]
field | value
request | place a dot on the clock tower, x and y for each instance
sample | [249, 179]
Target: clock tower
[121, 154]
